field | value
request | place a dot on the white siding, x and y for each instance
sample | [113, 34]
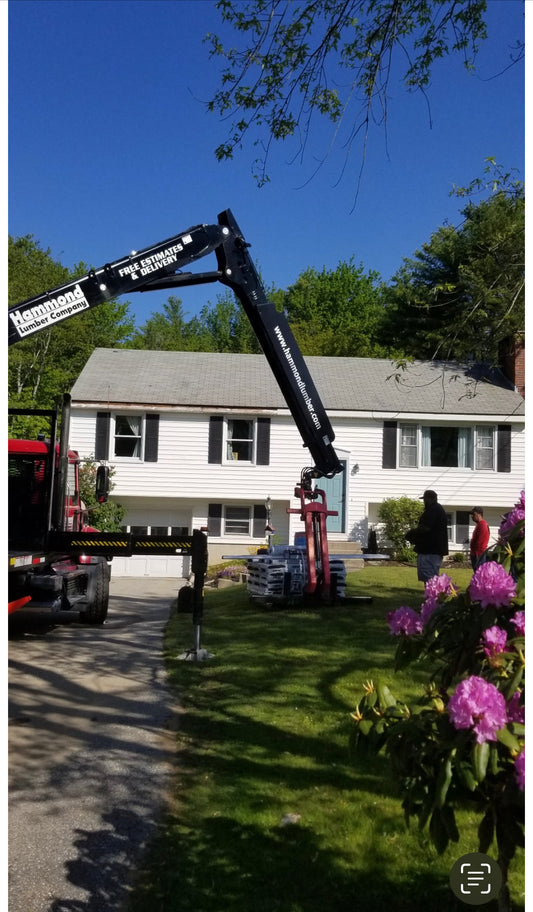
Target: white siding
[177, 489]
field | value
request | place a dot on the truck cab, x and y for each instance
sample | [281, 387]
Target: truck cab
[30, 464]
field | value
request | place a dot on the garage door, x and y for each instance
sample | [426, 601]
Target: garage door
[146, 565]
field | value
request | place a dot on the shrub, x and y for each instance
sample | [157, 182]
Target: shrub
[458, 557]
[106, 517]
[462, 743]
[398, 515]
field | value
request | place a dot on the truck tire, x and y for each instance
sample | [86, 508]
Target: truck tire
[96, 610]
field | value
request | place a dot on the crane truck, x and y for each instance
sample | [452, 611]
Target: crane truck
[55, 558]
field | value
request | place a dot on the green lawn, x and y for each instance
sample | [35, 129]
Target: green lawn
[264, 734]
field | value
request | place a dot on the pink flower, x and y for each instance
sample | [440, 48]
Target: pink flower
[516, 711]
[514, 516]
[519, 622]
[494, 640]
[439, 585]
[479, 705]
[492, 585]
[427, 609]
[436, 590]
[404, 620]
[520, 770]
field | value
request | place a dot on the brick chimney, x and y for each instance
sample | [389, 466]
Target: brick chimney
[513, 362]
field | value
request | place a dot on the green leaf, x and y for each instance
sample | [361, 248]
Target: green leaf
[385, 697]
[506, 737]
[480, 759]
[464, 771]
[444, 779]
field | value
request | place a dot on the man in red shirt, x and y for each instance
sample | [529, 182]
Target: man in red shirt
[480, 538]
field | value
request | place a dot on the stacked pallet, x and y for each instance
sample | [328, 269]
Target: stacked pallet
[282, 574]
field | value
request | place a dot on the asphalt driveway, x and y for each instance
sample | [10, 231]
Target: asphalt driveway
[90, 750]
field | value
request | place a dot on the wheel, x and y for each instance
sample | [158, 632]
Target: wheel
[98, 594]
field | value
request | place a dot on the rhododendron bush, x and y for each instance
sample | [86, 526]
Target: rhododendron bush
[462, 744]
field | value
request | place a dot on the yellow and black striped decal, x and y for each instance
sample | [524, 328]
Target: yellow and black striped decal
[161, 544]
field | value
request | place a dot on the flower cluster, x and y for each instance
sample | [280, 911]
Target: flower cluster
[494, 641]
[479, 705]
[492, 585]
[513, 518]
[407, 621]
[519, 623]
[404, 620]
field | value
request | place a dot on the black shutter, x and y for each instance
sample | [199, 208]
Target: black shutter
[503, 456]
[263, 442]
[216, 427]
[151, 441]
[389, 444]
[260, 516]
[101, 441]
[214, 519]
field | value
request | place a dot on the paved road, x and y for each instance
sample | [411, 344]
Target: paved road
[90, 750]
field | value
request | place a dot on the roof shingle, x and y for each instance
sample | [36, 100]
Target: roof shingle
[216, 380]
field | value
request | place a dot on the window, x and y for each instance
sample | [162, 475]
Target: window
[447, 447]
[232, 520]
[240, 439]
[237, 521]
[458, 528]
[408, 445]
[71, 480]
[127, 436]
[156, 530]
[483, 447]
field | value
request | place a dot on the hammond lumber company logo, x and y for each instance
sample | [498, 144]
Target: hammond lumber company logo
[49, 311]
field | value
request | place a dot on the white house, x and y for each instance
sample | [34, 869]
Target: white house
[203, 439]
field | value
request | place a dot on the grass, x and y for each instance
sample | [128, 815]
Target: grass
[263, 734]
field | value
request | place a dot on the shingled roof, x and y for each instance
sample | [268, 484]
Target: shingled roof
[215, 380]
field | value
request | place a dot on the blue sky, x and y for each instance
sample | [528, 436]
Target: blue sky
[112, 149]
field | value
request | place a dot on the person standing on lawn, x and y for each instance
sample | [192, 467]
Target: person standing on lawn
[480, 538]
[430, 537]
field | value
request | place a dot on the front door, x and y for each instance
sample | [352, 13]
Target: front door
[335, 490]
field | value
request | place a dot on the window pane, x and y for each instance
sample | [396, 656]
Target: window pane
[158, 530]
[127, 446]
[71, 480]
[484, 447]
[240, 439]
[444, 446]
[237, 521]
[239, 449]
[179, 530]
[408, 445]
[128, 435]
[462, 529]
[127, 425]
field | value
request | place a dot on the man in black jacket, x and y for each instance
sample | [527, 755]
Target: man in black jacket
[430, 538]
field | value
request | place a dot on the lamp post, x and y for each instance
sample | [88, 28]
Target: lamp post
[269, 529]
